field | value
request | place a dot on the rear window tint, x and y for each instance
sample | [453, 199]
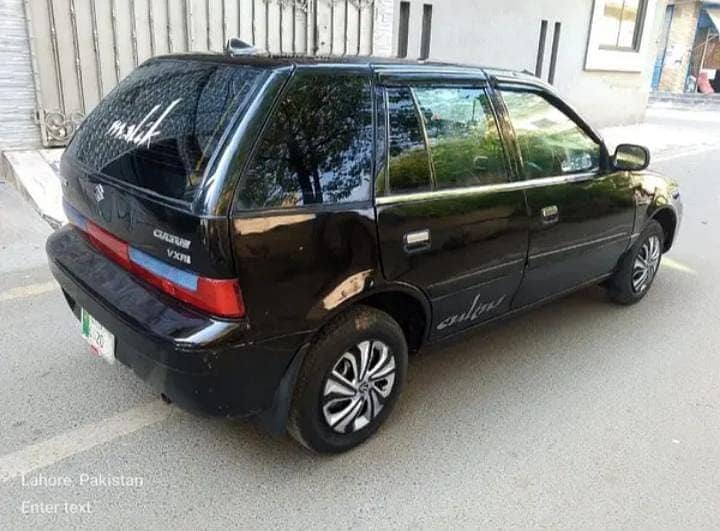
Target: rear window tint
[158, 128]
[318, 146]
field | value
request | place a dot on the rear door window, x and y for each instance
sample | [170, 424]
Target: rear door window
[409, 163]
[159, 127]
[318, 146]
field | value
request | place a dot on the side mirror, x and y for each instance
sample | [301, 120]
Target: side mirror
[629, 157]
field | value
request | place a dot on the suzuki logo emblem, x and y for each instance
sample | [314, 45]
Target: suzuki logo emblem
[99, 193]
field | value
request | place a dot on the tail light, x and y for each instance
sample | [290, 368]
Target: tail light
[220, 297]
[111, 246]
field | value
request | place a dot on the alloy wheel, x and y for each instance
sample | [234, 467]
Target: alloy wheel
[358, 386]
[646, 264]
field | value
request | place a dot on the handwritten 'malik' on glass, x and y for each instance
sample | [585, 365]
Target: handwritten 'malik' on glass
[142, 133]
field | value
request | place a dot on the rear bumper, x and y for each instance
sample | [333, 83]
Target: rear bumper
[203, 364]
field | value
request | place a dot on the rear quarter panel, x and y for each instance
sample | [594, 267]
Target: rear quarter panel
[299, 267]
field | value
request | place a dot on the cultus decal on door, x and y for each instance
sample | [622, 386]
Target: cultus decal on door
[476, 310]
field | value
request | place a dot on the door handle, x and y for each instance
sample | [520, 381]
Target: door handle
[550, 215]
[418, 241]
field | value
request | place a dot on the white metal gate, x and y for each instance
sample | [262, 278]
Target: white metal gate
[82, 48]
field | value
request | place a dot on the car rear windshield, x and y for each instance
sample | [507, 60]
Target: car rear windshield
[159, 127]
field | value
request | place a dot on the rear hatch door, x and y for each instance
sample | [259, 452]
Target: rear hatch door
[140, 160]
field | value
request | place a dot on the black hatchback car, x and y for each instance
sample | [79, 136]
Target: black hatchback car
[271, 236]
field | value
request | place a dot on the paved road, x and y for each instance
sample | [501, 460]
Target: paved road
[577, 415]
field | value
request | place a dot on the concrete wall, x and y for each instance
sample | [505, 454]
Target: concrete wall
[17, 95]
[506, 33]
[680, 43]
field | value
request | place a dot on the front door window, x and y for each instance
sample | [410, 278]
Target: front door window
[551, 143]
[464, 139]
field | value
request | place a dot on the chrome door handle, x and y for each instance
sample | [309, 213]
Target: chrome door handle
[550, 215]
[417, 241]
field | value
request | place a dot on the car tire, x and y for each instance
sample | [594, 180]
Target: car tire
[638, 267]
[365, 348]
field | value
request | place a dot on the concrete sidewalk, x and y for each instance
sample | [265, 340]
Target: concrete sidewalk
[666, 132]
[23, 234]
[669, 132]
[36, 175]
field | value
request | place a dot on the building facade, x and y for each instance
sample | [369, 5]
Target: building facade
[598, 53]
[59, 57]
[689, 52]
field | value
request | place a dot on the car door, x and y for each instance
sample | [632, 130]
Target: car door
[449, 220]
[581, 213]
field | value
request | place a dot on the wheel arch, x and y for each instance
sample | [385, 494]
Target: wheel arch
[407, 305]
[668, 220]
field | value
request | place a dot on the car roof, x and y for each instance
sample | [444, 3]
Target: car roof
[260, 59]
[389, 68]
[379, 64]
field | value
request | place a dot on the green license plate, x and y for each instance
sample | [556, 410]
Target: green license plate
[101, 341]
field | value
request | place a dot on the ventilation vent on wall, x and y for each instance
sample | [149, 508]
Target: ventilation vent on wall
[540, 61]
[426, 31]
[403, 29]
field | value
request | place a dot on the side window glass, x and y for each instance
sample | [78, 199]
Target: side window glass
[408, 158]
[551, 143]
[380, 143]
[464, 139]
[318, 147]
